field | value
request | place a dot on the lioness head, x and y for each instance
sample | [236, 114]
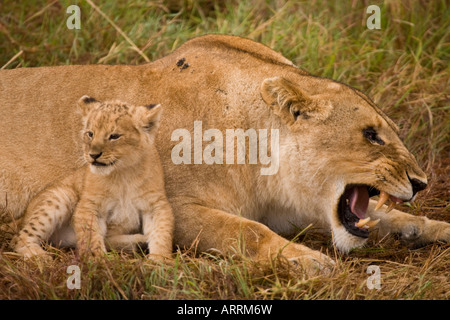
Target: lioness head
[115, 134]
[344, 150]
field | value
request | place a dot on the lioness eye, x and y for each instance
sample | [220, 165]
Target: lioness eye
[90, 134]
[114, 136]
[372, 135]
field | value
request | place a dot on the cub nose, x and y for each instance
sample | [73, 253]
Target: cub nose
[417, 185]
[95, 156]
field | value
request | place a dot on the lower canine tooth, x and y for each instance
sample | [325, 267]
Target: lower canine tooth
[372, 223]
[384, 196]
[362, 222]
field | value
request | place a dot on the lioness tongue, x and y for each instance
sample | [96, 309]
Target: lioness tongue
[359, 201]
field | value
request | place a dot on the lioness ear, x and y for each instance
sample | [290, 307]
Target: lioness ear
[85, 105]
[149, 117]
[293, 102]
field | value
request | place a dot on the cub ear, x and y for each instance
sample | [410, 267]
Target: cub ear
[85, 105]
[148, 117]
[290, 102]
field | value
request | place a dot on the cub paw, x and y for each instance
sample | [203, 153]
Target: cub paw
[95, 249]
[34, 252]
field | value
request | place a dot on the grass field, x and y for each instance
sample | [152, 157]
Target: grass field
[404, 67]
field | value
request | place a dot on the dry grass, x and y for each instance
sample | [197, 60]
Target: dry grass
[403, 67]
[405, 274]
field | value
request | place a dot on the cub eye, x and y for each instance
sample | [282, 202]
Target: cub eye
[114, 136]
[90, 134]
[372, 135]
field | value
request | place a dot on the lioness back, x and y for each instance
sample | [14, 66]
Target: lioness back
[107, 197]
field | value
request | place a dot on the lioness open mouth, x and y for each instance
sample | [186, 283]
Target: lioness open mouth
[353, 204]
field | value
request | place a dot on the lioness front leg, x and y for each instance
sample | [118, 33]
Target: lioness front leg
[417, 229]
[227, 233]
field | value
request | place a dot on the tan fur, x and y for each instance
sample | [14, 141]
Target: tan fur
[119, 194]
[230, 82]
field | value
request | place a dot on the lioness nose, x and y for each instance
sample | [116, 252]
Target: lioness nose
[417, 185]
[95, 156]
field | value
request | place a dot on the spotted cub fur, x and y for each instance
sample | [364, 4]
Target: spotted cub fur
[118, 195]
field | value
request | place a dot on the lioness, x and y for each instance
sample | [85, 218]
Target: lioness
[336, 148]
[119, 194]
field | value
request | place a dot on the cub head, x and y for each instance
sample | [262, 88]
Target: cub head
[116, 135]
[339, 149]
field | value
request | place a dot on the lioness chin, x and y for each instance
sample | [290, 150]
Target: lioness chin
[336, 148]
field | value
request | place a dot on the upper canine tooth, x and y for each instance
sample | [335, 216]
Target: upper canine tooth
[384, 196]
[362, 222]
[391, 206]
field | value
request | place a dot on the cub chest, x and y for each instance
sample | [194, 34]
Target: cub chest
[123, 211]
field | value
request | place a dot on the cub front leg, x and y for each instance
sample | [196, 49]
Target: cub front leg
[417, 229]
[157, 226]
[215, 229]
[89, 229]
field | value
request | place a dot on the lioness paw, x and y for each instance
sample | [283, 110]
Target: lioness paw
[314, 263]
[433, 230]
[421, 230]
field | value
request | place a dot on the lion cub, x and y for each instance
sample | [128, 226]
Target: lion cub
[118, 195]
